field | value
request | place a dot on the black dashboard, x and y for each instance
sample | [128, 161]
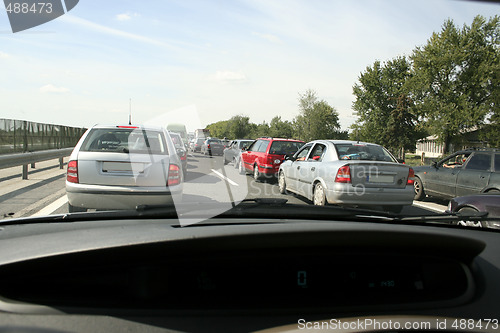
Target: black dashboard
[152, 275]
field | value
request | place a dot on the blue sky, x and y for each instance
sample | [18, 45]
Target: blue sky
[216, 59]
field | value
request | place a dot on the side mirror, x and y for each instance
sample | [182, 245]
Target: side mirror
[434, 164]
[290, 158]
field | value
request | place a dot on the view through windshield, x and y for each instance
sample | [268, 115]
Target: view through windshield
[338, 103]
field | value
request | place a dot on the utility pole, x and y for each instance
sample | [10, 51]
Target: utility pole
[130, 111]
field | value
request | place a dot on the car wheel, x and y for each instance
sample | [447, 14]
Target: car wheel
[75, 209]
[393, 209]
[256, 173]
[282, 183]
[465, 211]
[419, 189]
[241, 168]
[319, 198]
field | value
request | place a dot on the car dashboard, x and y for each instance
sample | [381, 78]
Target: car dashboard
[243, 275]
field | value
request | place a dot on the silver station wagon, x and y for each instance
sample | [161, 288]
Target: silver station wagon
[121, 167]
[348, 173]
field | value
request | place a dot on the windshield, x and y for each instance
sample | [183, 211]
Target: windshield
[360, 97]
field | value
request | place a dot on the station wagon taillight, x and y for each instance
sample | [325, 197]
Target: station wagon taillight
[174, 175]
[72, 173]
[411, 177]
[343, 174]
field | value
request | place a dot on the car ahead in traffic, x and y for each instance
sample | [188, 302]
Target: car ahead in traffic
[265, 155]
[464, 172]
[196, 144]
[233, 151]
[347, 173]
[212, 146]
[121, 167]
[181, 149]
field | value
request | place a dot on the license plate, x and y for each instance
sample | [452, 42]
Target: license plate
[379, 179]
[122, 167]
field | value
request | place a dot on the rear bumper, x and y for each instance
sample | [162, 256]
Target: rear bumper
[347, 194]
[119, 197]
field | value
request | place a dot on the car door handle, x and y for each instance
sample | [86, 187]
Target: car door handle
[313, 168]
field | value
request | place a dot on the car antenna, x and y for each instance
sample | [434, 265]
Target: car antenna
[130, 111]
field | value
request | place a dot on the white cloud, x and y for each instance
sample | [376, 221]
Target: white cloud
[268, 37]
[49, 88]
[123, 17]
[114, 32]
[4, 55]
[126, 16]
[226, 76]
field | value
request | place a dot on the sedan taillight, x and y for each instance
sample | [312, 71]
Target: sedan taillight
[72, 173]
[174, 175]
[343, 174]
[411, 177]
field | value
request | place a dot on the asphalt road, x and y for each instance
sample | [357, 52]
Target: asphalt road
[208, 180]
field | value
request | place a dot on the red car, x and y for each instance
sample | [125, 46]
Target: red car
[264, 157]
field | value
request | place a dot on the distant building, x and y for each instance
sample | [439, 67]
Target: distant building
[432, 148]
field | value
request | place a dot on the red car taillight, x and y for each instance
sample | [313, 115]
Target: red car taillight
[343, 174]
[72, 173]
[174, 175]
[411, 177]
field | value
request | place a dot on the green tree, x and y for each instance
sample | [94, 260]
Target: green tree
[455, 84]
[317, 119]
[280, 128]
[239, 127]
[219, 129]
[384, 106]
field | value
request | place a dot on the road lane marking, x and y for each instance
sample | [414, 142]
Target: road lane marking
[52, 207]
[35, 206]
[224, 177]
[434, 207]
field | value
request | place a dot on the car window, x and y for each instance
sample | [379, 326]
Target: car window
[301, 155]
[256, 145]
[285, 147]
[244, 144]
[263, 146]
[479, 161]
[363, 152]
[455, 161]
[218, 142]
[497, 162]
[317, 152]
[125, 140]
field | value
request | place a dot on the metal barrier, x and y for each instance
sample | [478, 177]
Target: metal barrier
[13, 160]
[21, 136]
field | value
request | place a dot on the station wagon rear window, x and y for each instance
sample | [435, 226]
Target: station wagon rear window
[285, 147]
[121, 140]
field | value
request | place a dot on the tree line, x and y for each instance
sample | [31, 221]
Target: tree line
[447, 87]
[316, 120]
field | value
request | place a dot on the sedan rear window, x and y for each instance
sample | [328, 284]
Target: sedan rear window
[136, 141]
[363, 152]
